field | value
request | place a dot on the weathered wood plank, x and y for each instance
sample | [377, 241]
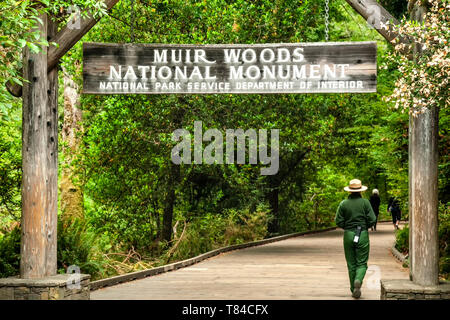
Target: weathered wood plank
[206, 69]
[52, 162]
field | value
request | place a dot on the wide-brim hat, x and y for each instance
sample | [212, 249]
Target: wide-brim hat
[355, 186]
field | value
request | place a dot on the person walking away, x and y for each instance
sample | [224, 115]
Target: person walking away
[396, 212]
[355, 215]
[375, 203]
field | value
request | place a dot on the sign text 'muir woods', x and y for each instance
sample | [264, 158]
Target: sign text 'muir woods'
[260, 68]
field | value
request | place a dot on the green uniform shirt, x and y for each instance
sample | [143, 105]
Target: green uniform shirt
[355, 211]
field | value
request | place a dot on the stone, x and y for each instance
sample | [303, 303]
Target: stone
[33, 296]
[50, 288]
[53, 294]
[405, 289]
[39, 290]
[432, 297]
[20, 291]
[44, 295]
[432, 290]
[6, 293]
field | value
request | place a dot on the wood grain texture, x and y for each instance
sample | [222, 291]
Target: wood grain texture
[423, 184]
[38, 246]
[98, 58]
[52, 163]
[424, 245]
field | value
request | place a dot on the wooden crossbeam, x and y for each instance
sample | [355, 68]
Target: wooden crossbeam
[376, 15]
[66, 38]
[370, 10]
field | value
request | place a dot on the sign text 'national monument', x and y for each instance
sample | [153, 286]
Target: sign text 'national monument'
[202, 69]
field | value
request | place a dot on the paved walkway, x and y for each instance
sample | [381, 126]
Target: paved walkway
[306, 267]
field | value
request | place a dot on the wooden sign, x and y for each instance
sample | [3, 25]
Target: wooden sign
[323, 67]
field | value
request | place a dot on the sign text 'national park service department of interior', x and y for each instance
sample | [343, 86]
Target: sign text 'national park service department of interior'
[202, 69]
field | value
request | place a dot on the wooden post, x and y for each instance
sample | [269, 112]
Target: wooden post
[40, 148]
[423, 195]
[424, 246]
[423, 168]
[39, 162]
[52, 154]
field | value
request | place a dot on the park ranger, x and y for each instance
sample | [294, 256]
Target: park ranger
[355, 215]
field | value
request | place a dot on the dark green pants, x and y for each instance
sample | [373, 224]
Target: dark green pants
[356, 255]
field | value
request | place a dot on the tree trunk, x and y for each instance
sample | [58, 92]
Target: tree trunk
[173, 177]
[423, 183]
[424, 245]
[71, 193]
[39, 162]
[174, 172]
[274, 224]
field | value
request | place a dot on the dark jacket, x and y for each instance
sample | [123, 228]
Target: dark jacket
[394, 206]
[355, 211]
[375, 203]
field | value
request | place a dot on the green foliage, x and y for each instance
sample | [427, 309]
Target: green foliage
[444, 240]
[326, 140]
[78, 245]
[213, 231]
[124, 166]
[10, 253]
[402, 239]
[424, 82]
[398, 8]
[126, 159]
[319, 203]
[18, 23]
[10, 163]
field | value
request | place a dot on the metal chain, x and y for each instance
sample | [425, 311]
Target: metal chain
[327, 16]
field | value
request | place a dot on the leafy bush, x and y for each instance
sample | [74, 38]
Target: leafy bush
[10, 253]
[402, 239]
[218, 230]
[77, 245]
[444, 240]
